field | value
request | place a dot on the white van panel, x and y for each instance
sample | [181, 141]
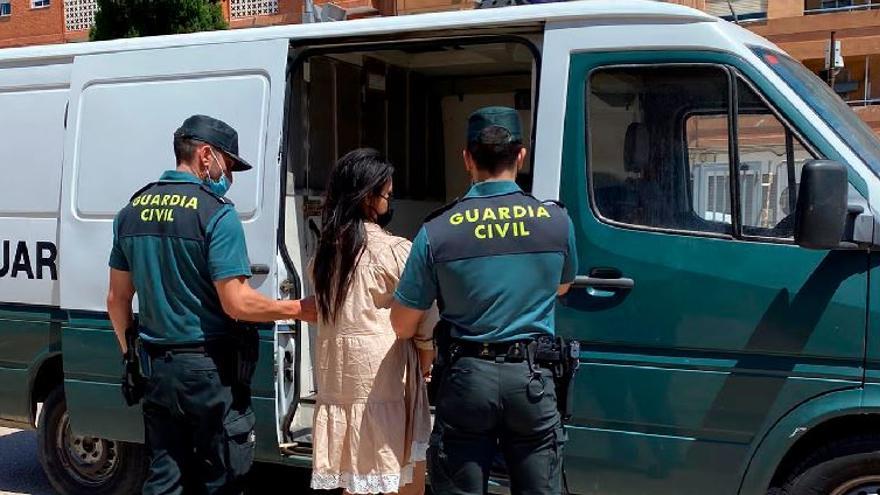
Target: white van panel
[124, 109]
[33, 101]
[123, 142]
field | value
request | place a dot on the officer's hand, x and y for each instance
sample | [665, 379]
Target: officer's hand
[308, 310]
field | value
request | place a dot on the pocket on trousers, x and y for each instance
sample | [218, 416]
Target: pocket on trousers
[240, 442]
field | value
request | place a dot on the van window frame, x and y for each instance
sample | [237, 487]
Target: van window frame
[588, 146]
[734, 75]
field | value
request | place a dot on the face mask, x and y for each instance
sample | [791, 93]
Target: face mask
[220, 186]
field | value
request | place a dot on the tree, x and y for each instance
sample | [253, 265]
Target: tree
[133, 18]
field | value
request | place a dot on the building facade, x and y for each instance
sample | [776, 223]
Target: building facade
[803, 28]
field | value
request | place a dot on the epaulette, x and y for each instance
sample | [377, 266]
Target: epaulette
[555, 202]
[443, 209]
[141, 190]
[547, 201]
[222, 199]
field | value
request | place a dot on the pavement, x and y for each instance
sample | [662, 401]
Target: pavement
[21, 473]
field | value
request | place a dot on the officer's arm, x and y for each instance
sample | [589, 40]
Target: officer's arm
[405, 320]
[119, 298]
[241, 302]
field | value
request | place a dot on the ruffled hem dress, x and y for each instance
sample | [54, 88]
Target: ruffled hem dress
[372, 419]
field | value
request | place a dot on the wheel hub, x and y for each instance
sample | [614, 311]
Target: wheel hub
[91, 461]
[865, 485]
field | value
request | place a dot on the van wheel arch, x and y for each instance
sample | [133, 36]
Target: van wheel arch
[838, 437]
[49, 375]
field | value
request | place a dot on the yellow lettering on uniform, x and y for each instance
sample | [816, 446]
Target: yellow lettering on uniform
[145, 214]
[478, 229]
[136, 201]
[472, 215]
[519, 211]
[502, 229]
[175, 200]
[542, 212]
[156, 201]
[488, 214]
[165, 198]
[504, 213]
[456, 219]
[522, 230]
[531, 211]
[193, 203]
[170, 214]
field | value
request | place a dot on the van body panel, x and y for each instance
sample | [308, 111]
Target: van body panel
[718, 337]
[30, 336]
[872, 355]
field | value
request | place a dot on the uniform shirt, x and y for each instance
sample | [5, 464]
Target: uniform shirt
[177, 239]
[500, 297]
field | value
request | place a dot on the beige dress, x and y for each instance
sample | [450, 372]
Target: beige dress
[372, 420]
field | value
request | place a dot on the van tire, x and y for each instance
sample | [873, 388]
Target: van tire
[845, 467]
[78, 465]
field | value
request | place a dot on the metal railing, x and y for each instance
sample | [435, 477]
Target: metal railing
[842, 8]
[863, 103]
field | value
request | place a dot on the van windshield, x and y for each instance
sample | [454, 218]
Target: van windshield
[828, 105]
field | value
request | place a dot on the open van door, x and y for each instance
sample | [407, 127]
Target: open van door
[124, 109]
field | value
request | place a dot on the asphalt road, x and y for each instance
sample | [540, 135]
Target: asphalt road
[20, 471]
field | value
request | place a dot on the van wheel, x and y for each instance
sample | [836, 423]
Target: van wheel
[846, 467]
[81, 465]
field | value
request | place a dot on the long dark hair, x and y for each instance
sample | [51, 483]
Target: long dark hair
[357, 178]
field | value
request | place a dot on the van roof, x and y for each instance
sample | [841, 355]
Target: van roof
[622, 11]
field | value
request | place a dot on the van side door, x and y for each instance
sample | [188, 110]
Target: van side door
[124, 109]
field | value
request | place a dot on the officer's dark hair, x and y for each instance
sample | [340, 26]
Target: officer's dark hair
[356, 181]
[494, 151]
[185, 149]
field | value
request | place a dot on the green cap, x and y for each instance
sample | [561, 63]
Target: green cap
[504, 117]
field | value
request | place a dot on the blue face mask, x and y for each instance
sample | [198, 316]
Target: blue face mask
[220, 186]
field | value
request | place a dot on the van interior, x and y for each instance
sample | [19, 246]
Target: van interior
[409, 100]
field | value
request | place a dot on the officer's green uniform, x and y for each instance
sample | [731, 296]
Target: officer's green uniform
[493, 261]
[176, 238]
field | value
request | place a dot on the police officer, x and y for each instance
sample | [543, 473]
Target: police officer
[179, 245]
[495, 261]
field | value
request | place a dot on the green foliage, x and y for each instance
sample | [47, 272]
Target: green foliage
[133, 18]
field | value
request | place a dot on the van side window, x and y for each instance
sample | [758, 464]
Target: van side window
[640, 173]
[770, 163]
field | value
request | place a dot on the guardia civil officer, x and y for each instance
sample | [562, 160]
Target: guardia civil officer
[495, 261]
[179, 245]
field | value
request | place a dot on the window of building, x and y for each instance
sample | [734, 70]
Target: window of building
[250, 8]
[79, 15]
[5, 8]
[39, 4]
[660, 154]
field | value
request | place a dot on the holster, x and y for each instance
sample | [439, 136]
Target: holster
[133, 381]
[563, 358]
[246, 354]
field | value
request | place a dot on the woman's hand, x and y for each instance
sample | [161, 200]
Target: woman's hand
[426, 362]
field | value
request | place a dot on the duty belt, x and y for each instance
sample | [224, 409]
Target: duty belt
[502, 352]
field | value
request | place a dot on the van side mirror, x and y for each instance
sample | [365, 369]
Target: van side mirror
[820, 216]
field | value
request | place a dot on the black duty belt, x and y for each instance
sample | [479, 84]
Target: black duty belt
[502, 352]
[156, 350]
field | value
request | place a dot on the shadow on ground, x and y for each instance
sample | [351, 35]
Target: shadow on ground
[20, 471]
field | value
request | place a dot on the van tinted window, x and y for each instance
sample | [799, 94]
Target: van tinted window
[657, 141]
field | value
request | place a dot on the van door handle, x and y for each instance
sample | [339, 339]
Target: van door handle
[260, 269]
[619, 283]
